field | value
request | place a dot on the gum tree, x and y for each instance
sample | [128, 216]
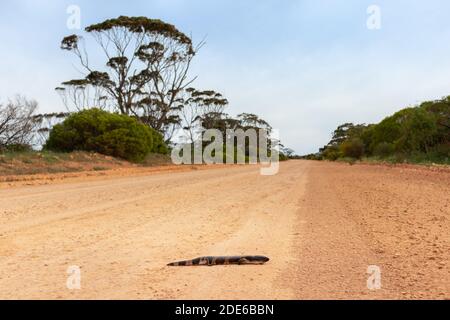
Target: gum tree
[195, 104]
[145, 70]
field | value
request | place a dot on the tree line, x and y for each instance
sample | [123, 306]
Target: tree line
[419, 133]
[144, 74]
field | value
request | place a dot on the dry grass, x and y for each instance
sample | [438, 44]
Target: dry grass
[29, 163]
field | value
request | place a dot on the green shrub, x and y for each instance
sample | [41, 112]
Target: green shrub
[17, 147]
[439, 154]
[159, 146]
[106, 133]
[331, 154]
[353, 148]
[283, 157]
[401, 157]
[418, 134]
[384, 149]
[418, 131]
[442, 150]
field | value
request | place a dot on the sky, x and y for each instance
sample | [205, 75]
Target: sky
[305, 66]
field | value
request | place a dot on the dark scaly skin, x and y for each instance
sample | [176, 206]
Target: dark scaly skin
[221, 260]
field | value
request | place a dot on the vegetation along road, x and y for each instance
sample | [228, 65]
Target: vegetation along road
[322, 224]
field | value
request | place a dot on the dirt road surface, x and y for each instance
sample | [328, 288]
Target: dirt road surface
[322, 225]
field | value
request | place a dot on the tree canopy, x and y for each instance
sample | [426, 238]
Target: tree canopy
[145, 70]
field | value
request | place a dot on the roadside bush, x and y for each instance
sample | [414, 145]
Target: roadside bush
[400, 157]
[414, 134]
[443, 150]
[159, 146]
[353, 148]
[17, 147]
[283, 157]
[439, 154]
[331, 154]
[384, 149]
[106, 133]
[418, 131]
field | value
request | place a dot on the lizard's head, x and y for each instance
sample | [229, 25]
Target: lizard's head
[263, 259]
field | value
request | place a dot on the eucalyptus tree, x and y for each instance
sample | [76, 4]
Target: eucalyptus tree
[252, 121]
[195, 104]
[145, 69]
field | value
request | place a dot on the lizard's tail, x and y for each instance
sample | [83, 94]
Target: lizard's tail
[184, 263]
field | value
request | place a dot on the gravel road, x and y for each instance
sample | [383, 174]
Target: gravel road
[322, 225]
